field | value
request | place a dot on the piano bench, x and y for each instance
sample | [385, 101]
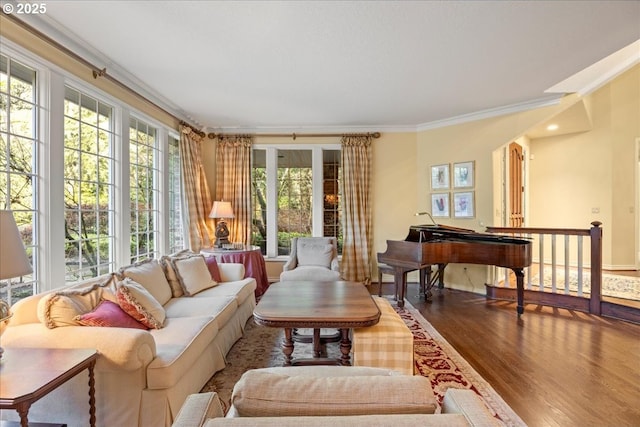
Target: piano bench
[386, 269]
[387, 344]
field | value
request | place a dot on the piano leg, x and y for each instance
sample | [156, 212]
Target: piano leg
[519, 272]
[400, 279]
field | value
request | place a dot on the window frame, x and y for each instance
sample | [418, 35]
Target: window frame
[271, 156]
[51, 79]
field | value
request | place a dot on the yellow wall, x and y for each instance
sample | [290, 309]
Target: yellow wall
[572, 175]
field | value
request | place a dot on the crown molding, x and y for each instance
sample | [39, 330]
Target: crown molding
[492, 112]
[61, 35]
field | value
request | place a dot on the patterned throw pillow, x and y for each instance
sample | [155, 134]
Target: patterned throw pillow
[137, 302]
[60, 308]
[108, 313]
[149, 273]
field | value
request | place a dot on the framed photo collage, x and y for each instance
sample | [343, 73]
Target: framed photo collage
[452, 190]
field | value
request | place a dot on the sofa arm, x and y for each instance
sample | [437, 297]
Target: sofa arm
[197, 409]
[468, 403]
[120, 348]
[231, 271]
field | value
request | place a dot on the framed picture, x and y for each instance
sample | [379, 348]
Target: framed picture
[440, 205]
[440, 177]
[463, 204]
[463, 175]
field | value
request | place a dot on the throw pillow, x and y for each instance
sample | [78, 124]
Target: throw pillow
[169, 272]
[314, 254]
[138, 303]
[193, 274]
[149, 273]
[60, 308]
[108, 313]
[212, 264]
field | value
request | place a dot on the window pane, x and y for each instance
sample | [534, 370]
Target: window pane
[142, 153]
[295, 205]
[259, 200]
[88, 186]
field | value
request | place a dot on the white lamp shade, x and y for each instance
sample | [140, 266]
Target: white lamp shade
[13, 256]
[221, 210]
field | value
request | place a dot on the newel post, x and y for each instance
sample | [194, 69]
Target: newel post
[596, 268]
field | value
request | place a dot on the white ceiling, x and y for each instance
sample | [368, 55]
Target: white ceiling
[375, 65]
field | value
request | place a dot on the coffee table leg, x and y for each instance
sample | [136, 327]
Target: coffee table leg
[23, 411]
[317, 343]
[345, 347]
[287, 346]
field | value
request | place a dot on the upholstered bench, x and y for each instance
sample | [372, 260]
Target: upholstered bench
[387, 344]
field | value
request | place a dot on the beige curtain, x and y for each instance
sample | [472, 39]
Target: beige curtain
[196, 190]
[356, 208]
[233, 183]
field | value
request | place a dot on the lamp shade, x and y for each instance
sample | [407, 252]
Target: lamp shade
[221, 210]
[13, 256]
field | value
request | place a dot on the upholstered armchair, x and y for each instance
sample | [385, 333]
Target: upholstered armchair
[312, 258]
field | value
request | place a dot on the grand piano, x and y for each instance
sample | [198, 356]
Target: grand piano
[428, 245]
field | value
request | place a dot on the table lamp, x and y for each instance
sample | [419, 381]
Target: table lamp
[221, 210]
[13, 261]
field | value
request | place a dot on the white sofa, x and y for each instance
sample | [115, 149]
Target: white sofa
[142, 377]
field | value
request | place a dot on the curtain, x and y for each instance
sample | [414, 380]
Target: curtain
[233, 183]
[196, 190]
[356, 208]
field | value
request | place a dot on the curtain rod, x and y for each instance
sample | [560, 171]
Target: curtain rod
[294, 135]
[95, 71]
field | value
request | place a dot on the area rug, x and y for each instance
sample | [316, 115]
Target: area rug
[434, 358]
[626, 287]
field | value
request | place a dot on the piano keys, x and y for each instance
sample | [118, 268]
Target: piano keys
[428, 245]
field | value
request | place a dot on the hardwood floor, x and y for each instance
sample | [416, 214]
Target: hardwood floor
[554, 367]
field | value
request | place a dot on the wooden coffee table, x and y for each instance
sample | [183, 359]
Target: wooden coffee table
[316, 305]
[28, 374]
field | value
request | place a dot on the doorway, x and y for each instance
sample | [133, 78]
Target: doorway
[516, 185]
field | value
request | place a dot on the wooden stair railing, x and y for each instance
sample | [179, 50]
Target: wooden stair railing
[565, 298]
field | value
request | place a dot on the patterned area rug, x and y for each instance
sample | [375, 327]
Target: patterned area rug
[626, 287]
[434, 358]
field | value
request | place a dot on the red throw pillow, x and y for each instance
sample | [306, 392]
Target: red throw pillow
[108, 313]
[212, 265]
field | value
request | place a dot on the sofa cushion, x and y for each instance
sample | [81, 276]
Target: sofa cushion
[108, 313]
[314, 253]
[136, 301]
[406, 420]
[222, 308]
[179, 347]
[193, 274]
[265, 394]
[241, 290]
[61, 308]
[310, 272]
[149, 273]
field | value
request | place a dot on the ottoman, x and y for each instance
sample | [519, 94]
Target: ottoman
[387, 344]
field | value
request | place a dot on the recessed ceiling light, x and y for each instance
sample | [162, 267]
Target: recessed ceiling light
[552, 127]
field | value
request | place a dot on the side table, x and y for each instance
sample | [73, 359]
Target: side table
[250, 257]
[28, 374]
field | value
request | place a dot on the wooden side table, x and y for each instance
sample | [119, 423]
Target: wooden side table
[28, 374]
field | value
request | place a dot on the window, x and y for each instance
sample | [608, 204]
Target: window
[176, 229]
[88, 186]
[18, 164]
[303, 199]
[143, 157]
